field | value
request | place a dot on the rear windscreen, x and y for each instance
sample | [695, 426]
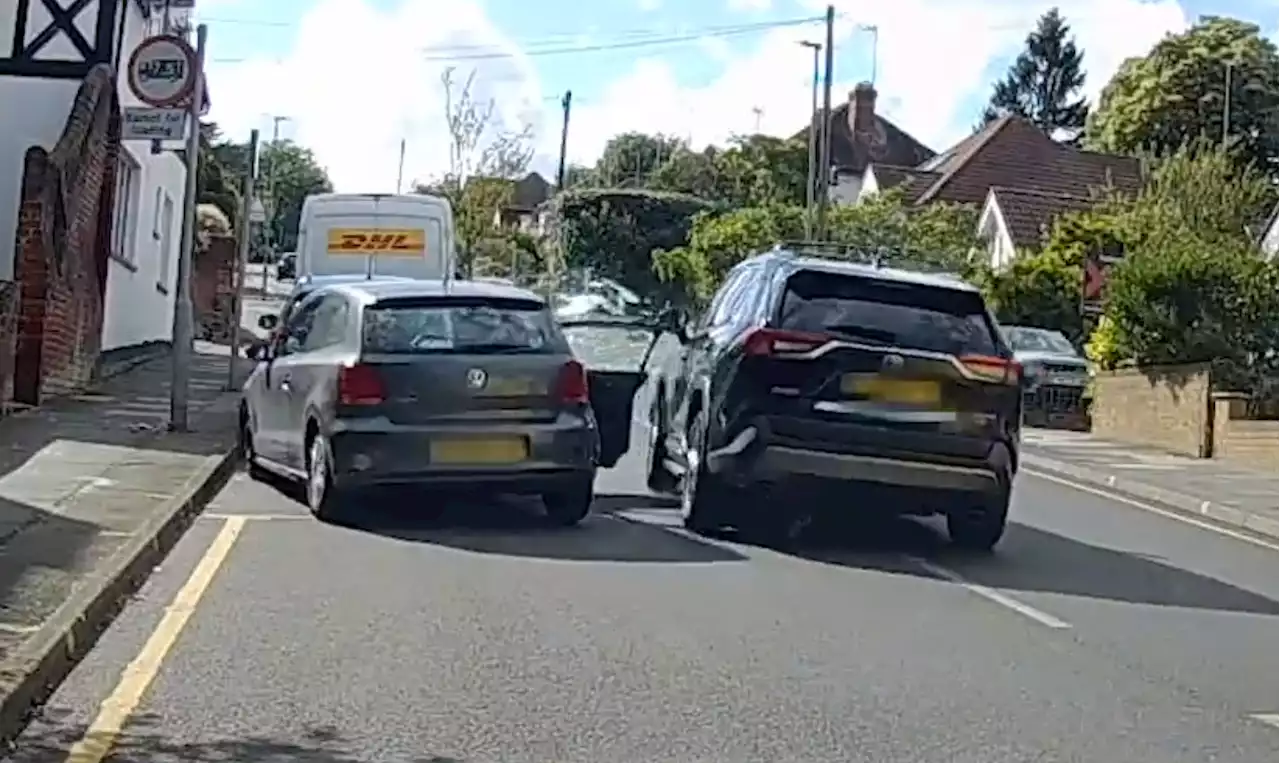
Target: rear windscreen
[461, 327]
[892, 313]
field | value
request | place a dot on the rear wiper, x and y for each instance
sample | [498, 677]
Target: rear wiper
[853, 329]
[498, 349]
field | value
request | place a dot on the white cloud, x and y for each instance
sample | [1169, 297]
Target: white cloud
[357, 81]
[748, 6]
[649, 5]
[934, 56]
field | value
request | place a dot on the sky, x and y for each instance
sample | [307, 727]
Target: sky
[354, 78]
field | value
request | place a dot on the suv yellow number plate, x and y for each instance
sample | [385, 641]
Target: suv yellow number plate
[903, 391]
[479, 451]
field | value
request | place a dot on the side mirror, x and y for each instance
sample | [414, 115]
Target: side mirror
[269, 322]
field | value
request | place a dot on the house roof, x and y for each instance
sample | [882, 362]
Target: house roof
[912, 181]
[1010, 152]
[1028, 214]
[529, 191]
[891, 145]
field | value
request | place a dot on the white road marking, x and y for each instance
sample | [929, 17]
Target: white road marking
[991, 594]
[18, 630]
[1271, 719]
[256, 517]
[1148, 507]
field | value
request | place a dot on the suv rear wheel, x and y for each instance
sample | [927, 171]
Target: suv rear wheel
[659, 479]
[571, 504]
[979, 524]
[703, 498]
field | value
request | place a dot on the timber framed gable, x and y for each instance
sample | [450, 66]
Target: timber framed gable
[61, 39]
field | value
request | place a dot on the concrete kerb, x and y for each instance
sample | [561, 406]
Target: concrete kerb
[1265, 527]
[33, 671]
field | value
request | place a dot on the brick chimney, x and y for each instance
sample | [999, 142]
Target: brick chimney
[862, 109]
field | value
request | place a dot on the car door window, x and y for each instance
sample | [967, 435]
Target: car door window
[329, 326]
[742, 304]
[296, 331]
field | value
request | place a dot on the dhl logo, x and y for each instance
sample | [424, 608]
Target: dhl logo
[377, 241]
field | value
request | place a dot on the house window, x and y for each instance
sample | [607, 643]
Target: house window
[126, 209]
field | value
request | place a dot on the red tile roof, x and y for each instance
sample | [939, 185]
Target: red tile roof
[1028, 215]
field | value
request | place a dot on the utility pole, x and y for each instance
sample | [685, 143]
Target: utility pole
[242, 255]
[816, 47]
[183, 331]
[824, 161]
[400, 171]
[1226, 107]
[566, 104]
[271, 194]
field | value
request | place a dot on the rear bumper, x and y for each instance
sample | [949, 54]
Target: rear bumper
[376, 453]
[755, 455]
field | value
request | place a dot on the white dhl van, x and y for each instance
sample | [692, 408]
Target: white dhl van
[405, 235]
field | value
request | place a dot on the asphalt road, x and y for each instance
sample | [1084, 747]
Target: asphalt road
[1099, 633]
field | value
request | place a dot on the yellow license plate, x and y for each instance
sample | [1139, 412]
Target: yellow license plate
[484, 451]
[514, 387]
[903, 391]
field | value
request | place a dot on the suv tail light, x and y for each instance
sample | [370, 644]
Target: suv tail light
[775, 341]
[360, 385]
[993, 369]
[571, 387]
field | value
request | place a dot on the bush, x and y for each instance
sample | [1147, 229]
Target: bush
[614, 233]
[1036, 290]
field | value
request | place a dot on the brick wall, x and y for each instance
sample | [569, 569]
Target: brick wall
[1164, 407]
[1246, 443]
[213, 291]
[63, 237]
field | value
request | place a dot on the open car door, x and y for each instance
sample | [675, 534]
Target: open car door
[616, 351]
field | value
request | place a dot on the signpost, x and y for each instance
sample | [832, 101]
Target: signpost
[1097, 266]
[141, 123]
[162, 71]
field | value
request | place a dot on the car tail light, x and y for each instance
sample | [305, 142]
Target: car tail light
[572, 384]
[360, 385]
[990, 368]
[774, 341]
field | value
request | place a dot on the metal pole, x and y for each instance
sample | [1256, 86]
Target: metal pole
[567, 104]
[400, 170]
[813, 143]
[1226, 108]
[242, 257]
[271, 195]
[182, 309]
[824, 164]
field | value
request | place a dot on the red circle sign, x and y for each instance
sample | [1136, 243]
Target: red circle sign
[162, 71]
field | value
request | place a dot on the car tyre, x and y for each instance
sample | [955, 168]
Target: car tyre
[703, 497]
[980, 525]
[659, 479]
[247, 450]
[568, 506]
[326, 501]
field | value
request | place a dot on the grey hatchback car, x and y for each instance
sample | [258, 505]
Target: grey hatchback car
[422, 383]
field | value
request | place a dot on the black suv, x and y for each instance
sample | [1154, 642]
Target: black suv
[807, 372]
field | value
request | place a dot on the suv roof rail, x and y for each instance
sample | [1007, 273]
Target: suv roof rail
[832, 250]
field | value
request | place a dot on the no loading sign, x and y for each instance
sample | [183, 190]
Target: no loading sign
[162, 71]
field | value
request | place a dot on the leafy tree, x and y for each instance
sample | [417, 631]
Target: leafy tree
[937, 237]
[1037, 289]
[629, 160]
[217, 181]
[483, 162]
[289, 174]
[1179, 90]
[1043, 84]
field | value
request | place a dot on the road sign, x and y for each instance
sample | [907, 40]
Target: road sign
[143, 123]
[1097, 268]
[162, 71]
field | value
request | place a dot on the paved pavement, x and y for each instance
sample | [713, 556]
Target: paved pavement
[1207, 488]
[1099, 632]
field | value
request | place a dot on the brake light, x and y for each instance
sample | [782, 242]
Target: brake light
[993, 369]
[572, 384]
[774, 341]
[360, 385]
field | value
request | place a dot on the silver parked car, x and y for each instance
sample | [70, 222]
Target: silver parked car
[424, 383]
[1055, 376]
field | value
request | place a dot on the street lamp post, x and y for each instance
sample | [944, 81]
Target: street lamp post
[815, 126]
